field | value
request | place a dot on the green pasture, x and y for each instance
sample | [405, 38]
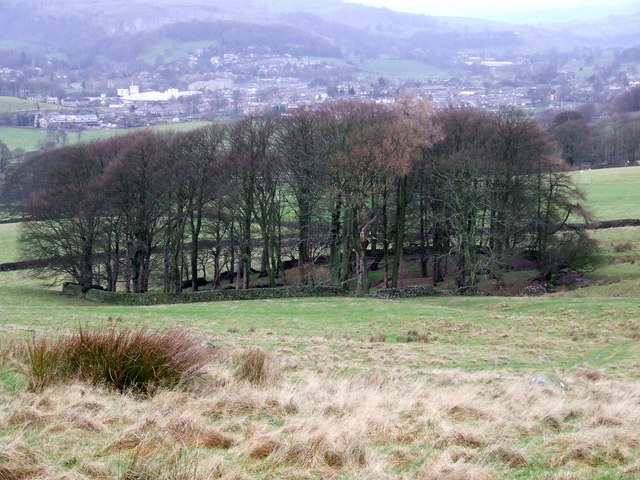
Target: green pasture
[30, 139]
[611, 193]
[18, 45]
[13, 104]
[8, 242]
[580, 68]
[328, 60]
[26, 138]
[462, 332]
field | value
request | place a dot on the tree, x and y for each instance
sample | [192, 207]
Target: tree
[519, 144]
[204, 152]
[136, 180]
[460, 170]
[354, 137]
[472, 188]
[630, 141]
[65, 215]
[626, 102]
[574, 136]
[298, 140]
[250, 142]
[5, 157]
[408, 137]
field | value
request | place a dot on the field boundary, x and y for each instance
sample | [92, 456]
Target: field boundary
[160, 298]
[305, 291]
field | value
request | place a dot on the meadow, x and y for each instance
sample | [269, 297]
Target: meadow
[13, 104]
[30, 139]
[481, 388]
[610, 192]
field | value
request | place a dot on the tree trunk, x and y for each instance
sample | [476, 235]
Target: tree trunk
[401, 213]
[336, 223]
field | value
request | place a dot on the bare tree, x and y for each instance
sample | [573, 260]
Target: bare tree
[250, 143]
[65, 215]
[136, 180]
[299, 144]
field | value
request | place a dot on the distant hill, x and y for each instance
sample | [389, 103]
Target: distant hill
[563, 16]
[80, 32]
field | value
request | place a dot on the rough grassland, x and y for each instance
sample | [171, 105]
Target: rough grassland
[427, 388]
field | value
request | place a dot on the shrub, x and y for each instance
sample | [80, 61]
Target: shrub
[126, 360]
[571, 252]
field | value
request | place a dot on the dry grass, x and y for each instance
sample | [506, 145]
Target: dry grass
[271, 414]
[18, 462]
[256, 366]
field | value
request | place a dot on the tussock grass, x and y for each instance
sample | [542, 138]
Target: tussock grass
[623, 247]
[180, 465]
[256, 366]
[18, 462]
[450, 424]
[140, 361]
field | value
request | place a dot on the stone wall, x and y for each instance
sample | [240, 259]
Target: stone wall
[159, 298]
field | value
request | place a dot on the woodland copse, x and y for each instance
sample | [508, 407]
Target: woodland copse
[343, 186]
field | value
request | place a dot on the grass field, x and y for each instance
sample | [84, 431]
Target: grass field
[611, 192]
[435, 388]
[26, 138]
[30, 138]
[8, 242]
[13, 104]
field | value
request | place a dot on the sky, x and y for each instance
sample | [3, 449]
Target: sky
[488, 9]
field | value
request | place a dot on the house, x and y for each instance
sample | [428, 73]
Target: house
[70, 121]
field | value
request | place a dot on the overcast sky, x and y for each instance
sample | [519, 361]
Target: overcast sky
[484, 9]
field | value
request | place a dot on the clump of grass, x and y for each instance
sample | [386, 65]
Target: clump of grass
[322, 450]
[178, 466]
[623, 247]
[140, 361]
[18, 462]
[191, 433]
[256, 366]
[414, 336]
[378, 338]
[45, 363]
[262, 447]
[508, 456]
[446, 468]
